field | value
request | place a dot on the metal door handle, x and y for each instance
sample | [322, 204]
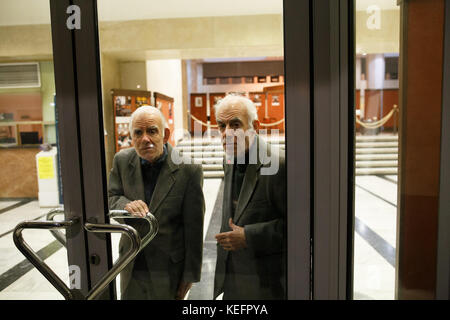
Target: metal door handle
[55, 232]
[32, 256]
[150, 218]
[137, 244]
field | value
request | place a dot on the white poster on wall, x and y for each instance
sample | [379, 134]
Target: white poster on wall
[198, 102]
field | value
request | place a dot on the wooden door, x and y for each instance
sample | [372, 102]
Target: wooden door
[259, 99]
[165, 105]
[198, 110]
[275, 108]
[213, 99]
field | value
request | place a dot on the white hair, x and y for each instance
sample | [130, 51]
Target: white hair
[234, 99]
[149, 110]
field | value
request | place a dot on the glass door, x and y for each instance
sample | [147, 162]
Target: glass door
[399, 102]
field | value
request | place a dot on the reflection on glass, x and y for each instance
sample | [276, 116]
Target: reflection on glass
[29, 186]
[183, 59]
[377, 101]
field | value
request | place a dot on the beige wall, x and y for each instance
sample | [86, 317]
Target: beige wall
[165, 76]
[187, 38]
[133, 75]
[25, 42]
[192, 38]
[384, 40]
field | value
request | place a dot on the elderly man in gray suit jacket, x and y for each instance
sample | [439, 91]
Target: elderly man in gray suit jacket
[251, 243]
[145, 179]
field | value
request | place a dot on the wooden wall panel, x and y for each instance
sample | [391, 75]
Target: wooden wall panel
[390, 98]
[213, 99]
[275, 107]
[420, 131]
[198, 110]
[18, 174]
[165, 105]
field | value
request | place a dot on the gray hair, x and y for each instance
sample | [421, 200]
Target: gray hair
[150, 110]
[231, 99]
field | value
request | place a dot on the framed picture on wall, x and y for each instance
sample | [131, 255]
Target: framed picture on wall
[198, 102]
[275, 100]
[257, 100]
[123, 135]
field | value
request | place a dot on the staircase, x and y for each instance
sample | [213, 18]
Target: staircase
[374, 154]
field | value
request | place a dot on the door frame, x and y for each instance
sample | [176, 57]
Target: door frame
[81, 140]
[319, 68]
[443, 256]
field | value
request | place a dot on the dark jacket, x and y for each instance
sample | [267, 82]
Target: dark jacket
[259, 269]
[177, 203]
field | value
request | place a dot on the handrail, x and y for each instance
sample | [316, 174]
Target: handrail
[137, 244]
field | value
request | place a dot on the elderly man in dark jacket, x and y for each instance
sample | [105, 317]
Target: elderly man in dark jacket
[251, 252]
[145, 179]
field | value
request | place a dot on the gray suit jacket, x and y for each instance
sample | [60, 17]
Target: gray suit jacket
[259, 269]
[177, 202]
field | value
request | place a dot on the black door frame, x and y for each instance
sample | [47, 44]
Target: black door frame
[443, 256]
[319, 68]
[81, 140]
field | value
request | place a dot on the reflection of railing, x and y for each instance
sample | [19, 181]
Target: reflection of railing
[271, 124]
[379, 123]
[201, 122]
[137, 244]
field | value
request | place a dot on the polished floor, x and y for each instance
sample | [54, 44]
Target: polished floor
[374, 262]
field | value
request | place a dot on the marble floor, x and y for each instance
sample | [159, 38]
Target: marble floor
[374, 261]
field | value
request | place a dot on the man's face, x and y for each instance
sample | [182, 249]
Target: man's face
[232, 121]
[148, 136]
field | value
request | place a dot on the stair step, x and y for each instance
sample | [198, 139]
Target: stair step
[215, 160]
[374, 171]
[205, 142]
[208, 148]
[199, 154]
[376, 138]
[376, 144]
[198, 142]
[376, 150]
[383, 156]
[376, 164]
[213, 174]
[212, 167]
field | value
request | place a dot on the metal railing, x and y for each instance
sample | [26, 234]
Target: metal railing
[137, 244]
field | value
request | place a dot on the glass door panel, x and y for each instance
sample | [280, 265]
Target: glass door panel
[183, 58]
